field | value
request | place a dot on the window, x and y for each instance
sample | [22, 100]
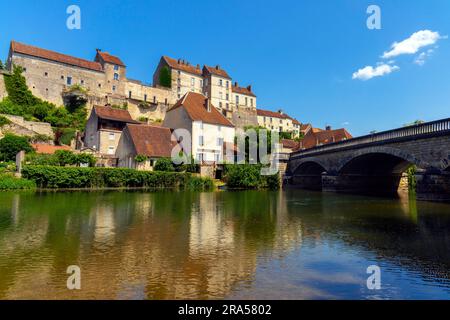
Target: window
[179, 81]
[178, 89]
[227, 97]
[81, 81]
[220, 82]
[221, 95]
[200, 157]
[227, 84]
[145, 97]
[62, 77]
[113, 88]
[200, 140]
[251, 102]
[165, 101]
[237, 100]
[220, 105]
[69, 81]
[217, 157]
[99, 85]
[154, 99]
[110, 150]
[116, 76]
[201, 83]
[179, 73]
[219, 128]
[192, 82]
[228, 106]
[246, 100]
[112, 136]
[46, 74]
[219, 142]
[129, 94]
[116, 67]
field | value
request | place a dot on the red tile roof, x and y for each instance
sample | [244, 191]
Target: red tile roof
[110, 58]
[194, 104]
[216, 71]
[247, 91]
[54, 56]
[48, 149]
[289, 144]
[179, 65]
[109, 113]
[316, 138]
[150, 141]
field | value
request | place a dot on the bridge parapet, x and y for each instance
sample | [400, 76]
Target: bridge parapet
[418, 130]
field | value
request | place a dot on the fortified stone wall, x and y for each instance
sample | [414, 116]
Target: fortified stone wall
[22, 127]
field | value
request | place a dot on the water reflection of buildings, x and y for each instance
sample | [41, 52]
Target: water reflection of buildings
[142, 245]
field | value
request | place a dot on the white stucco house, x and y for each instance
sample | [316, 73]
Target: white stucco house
[210, 131]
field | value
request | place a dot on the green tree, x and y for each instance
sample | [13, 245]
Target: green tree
[11, 144]
[165, 78]
[17, 89]
[2, 67]
[164, 164]
[66, 157]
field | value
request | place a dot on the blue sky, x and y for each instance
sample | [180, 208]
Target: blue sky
[298, 55]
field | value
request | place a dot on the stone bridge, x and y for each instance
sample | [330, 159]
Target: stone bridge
[375, 164]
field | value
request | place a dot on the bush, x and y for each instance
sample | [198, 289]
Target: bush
[248, 176]
[11, 144]
[71, 177]
[140, 158]
[4, 121]
[164, 164]
[8, 182]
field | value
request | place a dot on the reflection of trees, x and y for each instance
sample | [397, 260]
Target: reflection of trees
[140, 245]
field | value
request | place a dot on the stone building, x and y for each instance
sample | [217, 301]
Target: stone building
[278, 121]
[104, 130]
[52, 76]
[236, 103]
[317, 137]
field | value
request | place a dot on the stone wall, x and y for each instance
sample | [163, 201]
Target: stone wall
[20, 126]
[3, 92]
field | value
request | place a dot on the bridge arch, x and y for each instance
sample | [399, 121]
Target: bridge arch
[308, 174]
[383, 159]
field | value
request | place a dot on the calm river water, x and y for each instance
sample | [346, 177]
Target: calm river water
[222, 245]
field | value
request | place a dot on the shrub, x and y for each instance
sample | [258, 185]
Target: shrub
[8, 182]
[165, 77]
[140, 158]
[164, 164]
[11, 144]
[248, 176]
[4, 121]
[71, 177]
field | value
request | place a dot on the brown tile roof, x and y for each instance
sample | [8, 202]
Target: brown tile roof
[114, 114]
[313, 139]
[48, 149]
[194, 104]
[179, 65]
[216, 71]
[54, 56]
[289, 144]
[151, 141]
[110, 58]
[247, 91]
[295, 121]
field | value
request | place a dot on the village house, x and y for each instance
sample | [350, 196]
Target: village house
[104, 129]
[278, 121]
[149, 142]
[210, 130]
[288, 145]
[317, 137]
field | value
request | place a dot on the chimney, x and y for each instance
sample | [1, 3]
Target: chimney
[249, 88]
[280, 111]
[179, 61]
[236, 84]
[98, 50]
[328, 128]
[208, 104]
[217, 67]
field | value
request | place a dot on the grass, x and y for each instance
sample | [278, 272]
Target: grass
[9, 182]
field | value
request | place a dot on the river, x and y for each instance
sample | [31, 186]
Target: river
[291, 244]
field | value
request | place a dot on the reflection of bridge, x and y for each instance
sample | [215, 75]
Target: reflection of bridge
[375, 163]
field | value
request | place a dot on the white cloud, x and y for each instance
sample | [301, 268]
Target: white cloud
[370, 72]
[421, 58]
[413, 44]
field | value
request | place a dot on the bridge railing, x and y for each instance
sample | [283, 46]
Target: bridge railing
[410, 131]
